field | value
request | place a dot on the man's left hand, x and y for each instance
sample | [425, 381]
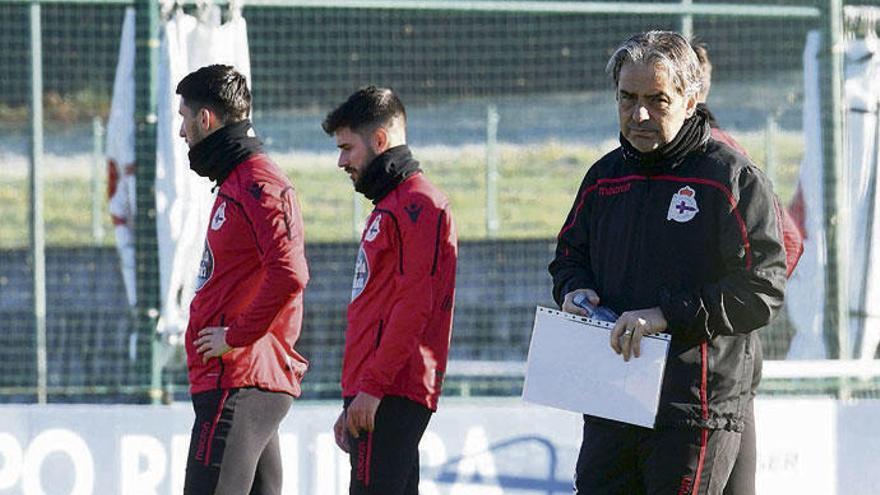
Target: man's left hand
[211, 343]
[627, 334]
[361, 413]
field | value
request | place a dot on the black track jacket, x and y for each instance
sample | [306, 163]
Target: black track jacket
[702, 240]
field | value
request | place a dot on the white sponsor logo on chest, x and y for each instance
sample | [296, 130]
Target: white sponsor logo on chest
[373, 231]
[219, 217]
[683, 206]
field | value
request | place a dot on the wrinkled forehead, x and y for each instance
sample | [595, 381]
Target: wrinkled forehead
[648, 76]
[674, 73]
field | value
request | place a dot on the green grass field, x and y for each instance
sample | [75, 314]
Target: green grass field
[535, 190]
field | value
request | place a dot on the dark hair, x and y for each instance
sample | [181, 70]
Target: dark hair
[220, 88]
[366, 109]
[705, 67]
[667, 49]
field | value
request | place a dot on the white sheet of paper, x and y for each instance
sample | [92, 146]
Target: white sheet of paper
[571, 366]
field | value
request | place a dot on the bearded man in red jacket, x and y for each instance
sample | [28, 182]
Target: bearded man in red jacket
[247, 313]
[402, 297]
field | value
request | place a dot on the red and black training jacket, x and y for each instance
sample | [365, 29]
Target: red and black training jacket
[403, 296]
[702, 240]
[251, 279]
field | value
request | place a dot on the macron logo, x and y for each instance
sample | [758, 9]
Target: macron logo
[413, 210]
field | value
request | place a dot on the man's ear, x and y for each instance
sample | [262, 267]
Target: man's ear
[379, 140]
[690, 105]
[208, 119]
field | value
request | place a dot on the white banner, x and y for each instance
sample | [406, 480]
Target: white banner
[183, 199]
[477, 447]
[121, 156]
[805, 292]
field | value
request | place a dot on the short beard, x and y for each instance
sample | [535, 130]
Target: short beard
[371, 157]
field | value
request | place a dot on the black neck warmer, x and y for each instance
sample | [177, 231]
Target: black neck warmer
[694, 134]
[385, 172]
[713, 122]
[218, 154]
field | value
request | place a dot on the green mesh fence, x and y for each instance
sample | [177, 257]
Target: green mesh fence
[525, 90]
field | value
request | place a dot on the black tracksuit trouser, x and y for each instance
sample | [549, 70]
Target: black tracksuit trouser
[386, 461]
[621, 459]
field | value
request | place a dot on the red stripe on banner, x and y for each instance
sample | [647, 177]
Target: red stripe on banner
[798, 211]
[214, 426]
[112, 178]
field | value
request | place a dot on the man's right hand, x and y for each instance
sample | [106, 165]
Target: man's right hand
[339, 432]
[570, 307]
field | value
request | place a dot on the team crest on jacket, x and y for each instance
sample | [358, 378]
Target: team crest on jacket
[206, 267]
[373, 231]
[361, 273]
[219, 217]
[683, 207]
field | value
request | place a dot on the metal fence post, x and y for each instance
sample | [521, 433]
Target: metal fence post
[37, 225]
[97, 195]
[687, 21]
[492, 222]
[770, 131]
[146, 242]
[836, 214]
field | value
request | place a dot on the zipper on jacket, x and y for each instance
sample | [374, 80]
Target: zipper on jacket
[220, 358]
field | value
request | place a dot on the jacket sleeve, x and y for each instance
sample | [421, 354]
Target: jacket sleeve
[750, 292]
[571, 267]
[414, 294]
[792, 238]
[278, 231]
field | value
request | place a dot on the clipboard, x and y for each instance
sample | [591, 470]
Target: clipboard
[571, 366]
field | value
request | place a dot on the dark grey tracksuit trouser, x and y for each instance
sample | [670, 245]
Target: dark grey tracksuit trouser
[234, 447]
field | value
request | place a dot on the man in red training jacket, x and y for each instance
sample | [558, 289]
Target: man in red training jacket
[247, 313]
[402, 297]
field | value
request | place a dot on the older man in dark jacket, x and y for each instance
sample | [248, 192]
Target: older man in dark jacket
[677, 233]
